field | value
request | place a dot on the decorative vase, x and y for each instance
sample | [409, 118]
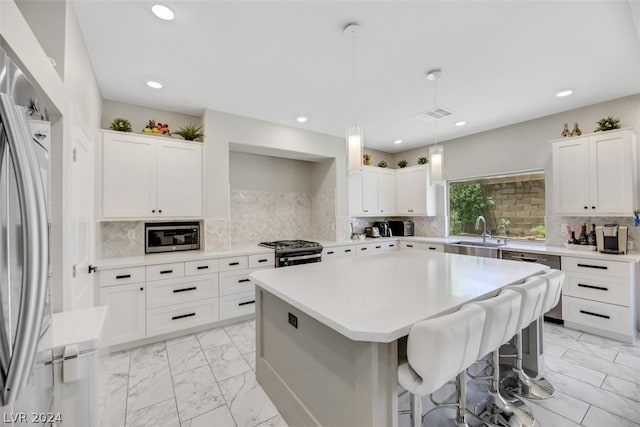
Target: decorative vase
[576, 130]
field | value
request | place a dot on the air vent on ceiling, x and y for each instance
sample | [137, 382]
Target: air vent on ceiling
[437, 113]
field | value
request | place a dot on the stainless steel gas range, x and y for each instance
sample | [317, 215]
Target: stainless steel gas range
[294, 252]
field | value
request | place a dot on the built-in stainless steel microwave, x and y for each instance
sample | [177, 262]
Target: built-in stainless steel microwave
[171, 236]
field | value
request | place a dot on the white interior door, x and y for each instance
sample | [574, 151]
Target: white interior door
[81, 215]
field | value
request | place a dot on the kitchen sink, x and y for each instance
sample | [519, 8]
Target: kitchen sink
[473, 248]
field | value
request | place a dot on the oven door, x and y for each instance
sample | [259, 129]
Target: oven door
[286, 260]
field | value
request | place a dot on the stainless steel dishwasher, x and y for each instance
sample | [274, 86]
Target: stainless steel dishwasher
[552, 261]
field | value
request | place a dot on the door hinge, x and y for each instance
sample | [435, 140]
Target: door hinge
[74, 272]
[75, 155]
[92, 268]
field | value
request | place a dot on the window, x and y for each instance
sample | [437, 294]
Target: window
[511, 204]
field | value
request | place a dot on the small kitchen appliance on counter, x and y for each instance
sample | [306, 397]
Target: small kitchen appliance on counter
[372, 232]
[612, 239]
[384, 228]
[293, 252]
[401, 228]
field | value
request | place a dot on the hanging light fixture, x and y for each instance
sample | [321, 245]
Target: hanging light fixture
[436, 151]
[354, 134]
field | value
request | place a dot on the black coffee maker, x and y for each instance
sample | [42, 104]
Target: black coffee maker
[383, 226]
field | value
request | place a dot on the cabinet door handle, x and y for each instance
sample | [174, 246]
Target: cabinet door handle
[203, 267]
[330, 252]
[593, 207]
[363, 249]
[123, 276]
[160, 211]
[244, 280]
[598, 267]
[240, 304]
[586, 207]
[153, 211]
[431, 248]
[182, 316]
[604, 316]
[600, 288]
[391, 245]
[193, 288]
[142, 289]
[347, 250]
[234, 263]
[409, 246]
[378, 247]
[166, 272]
[263, 260]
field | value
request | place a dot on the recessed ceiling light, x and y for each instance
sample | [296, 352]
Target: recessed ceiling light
[162, 12]
[461, 123]
[564, 93]
[302, 119]
[397, 141]
[154, 85]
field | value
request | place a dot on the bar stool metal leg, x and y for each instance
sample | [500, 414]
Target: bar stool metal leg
[525, 386]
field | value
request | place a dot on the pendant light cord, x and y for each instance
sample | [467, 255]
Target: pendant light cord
[353, 56]
[435, 104]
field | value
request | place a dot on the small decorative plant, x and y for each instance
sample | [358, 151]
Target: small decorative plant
[608, 123]
[402, 163]
[189, 132]
[422, 160]
[153, 127]
[366, 159]
[120, 124]
[382, 164]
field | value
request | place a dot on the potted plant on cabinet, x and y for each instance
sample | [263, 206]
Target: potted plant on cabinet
[189, 132]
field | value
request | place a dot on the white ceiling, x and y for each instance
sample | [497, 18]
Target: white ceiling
[502, 61]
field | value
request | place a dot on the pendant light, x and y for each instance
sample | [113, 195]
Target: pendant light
[436, 151]
[354, 134]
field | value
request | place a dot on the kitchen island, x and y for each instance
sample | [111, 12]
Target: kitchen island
[328, 333]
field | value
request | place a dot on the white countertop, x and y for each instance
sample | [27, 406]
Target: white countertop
[162, 258]
[378, 297]
[81, 327]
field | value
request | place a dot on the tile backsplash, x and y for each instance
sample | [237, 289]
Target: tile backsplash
[115, 241]
[423, 226]
[556, 236]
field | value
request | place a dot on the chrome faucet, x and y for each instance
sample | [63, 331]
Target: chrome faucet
[484, 228]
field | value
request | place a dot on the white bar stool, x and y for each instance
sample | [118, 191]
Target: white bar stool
[534, 294]
[501, 323]
[439, 349]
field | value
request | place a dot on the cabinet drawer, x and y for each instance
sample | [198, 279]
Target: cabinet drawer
[262, 260]
[596, 267]
[608, 317]
[161, 293]
[165, 271]
[205, 266]
[390, 246]
[233, 263]
[338, 251]
[596, 288]
[181, 316]
[237, 305]
[434, 247]
[121, 276]
[233, 282]
[373, 248]
[411, 246]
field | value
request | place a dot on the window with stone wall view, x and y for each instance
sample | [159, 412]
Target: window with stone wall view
[512, 205]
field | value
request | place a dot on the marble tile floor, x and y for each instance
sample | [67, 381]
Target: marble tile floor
[208, 379]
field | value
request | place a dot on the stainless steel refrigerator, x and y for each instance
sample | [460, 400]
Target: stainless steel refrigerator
[26, 372]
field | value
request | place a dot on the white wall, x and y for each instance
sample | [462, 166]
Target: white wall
[523, 146]
[258, 172]
[140, 116]
[223, 128]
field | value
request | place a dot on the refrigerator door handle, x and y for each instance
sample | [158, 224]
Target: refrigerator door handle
[33, 212]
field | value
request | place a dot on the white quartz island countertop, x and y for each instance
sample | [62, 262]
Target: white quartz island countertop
[378, 298]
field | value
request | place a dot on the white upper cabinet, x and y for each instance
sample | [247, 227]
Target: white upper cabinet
[386, 192]
[370, 191]
[414, 194]
[148, 177]
[595, 174]
[355, 193]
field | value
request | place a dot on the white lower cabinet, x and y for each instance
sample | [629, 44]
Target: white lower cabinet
[338, 251]
[126, 318]
[376, 247]
[181, 316]
[239, 304]
[420, 246]
[161, 293]
[233, 282]
[598, 296]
